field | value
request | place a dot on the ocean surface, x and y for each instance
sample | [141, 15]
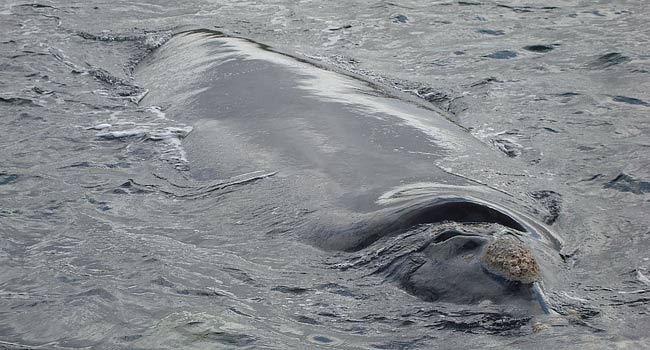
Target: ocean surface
[108, 240]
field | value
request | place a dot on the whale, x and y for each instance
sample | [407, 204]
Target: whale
[367, 163]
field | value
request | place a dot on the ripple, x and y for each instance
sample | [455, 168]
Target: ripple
[608, 60]
[539, 48]
[626, 183]
[502, 55]
[491, 32]
[630, 100]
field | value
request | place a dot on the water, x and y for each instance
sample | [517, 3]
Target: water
[108, 243]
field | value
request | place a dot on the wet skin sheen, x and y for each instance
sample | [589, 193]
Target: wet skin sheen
[338, 146]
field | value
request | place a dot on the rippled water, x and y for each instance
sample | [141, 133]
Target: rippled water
[107, 241]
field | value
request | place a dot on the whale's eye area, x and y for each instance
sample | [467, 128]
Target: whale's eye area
[449, 268]
[446, 235]
[455, 243]
[461, 242]
[469, 245]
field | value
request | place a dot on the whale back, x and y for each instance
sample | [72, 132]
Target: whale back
[341, 147]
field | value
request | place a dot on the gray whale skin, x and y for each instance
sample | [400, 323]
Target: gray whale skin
[367, 163]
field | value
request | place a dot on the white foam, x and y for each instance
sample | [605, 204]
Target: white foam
[100, 126]
[642, 278]
[152, 126]
[169, 133]
[155, 40]
[157, 111]
[112, 135]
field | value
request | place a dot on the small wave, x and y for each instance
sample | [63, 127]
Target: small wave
[166, 133]
[608, 60]
[153, 128]
[491, 32]
[213, 331]
[123, 88]
[156, 39]
[151, 40]
[504, 141]
[539, 48]
[204, 190]
[6, 179]
[18, 101]
[418, 190]
[502, 55]
[630, 100]
[626, 183]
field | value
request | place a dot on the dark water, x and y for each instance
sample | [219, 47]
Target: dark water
[111, 238]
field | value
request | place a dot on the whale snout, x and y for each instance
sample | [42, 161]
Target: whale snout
[457, 249]
[452, 270]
